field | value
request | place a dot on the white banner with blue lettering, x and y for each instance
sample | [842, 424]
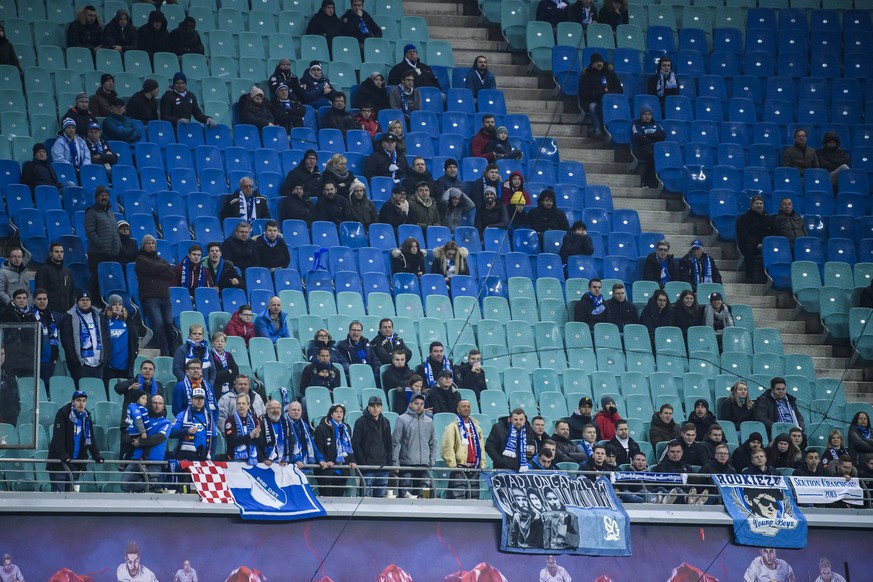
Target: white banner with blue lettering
[763, 510]
[552, 513]
[827, 490]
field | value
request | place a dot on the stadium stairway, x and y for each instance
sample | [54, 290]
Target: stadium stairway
[461, 24]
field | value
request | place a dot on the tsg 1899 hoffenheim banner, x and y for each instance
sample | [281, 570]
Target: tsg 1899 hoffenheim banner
[550, 513]
[260, 492]
[763, 510]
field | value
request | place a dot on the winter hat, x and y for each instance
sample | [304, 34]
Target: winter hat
[454, 192]
[255, 92]
[645, 109]
[83, 294]
[39, 146]
[450, 162]
[357, 184]
[409, 47]
[106, 77]
[606, 400]
[489, 190]
[115, 300]
[82, 97]
[180, 76]
[314, 65]
[281, 86]
[502, 128]
[116, 102]
[701, 402]
[122, 223]
[136, 394]
[147, 238]
[596, 58]
[375, 74]
[79, 394]
[319, 366]
[149, 85]
[327, 3]
[310, 153]
[518, 199]
[67, 123]
[756, 436]
[697, 244]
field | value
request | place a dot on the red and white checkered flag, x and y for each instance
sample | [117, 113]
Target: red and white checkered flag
[209, 480]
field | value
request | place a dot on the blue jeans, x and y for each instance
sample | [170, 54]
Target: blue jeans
[375, 482]
[134, 480]
[159, 312]
[412, 480]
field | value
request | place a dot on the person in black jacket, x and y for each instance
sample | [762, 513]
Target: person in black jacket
[386, 160]
[333, 438]
[424, 76]
[224, 273]
[698, 267]
[240, 249]
[742, 455]
[120, 35]
[129, 248]
[153, 36]
[253, 110]
[296, 206]
[625, 447]
[325, 22]
[510, 443]
[493, 213]
[72, 423]
[687, 312]
[396, 211]
[409, 258]
[185, 40]
[358, 23]
[373, 92]
[720, 463]
[105, 94]
[371, 441]
[614, 13]
[444, 396]
[330, 207]
[470, 374]
[179, 105]
[39, 171]
[337, 117]
[57, 280]
[645, 133]
[660, 266]
[577, 241]
[287, 110]
[663, 83]
[552, 11]
[387, 342]
[619, 310]
[282, 75]
[597, 80]
[273, 253]
[396, 379]
[591, 307]
[546, 215]
[143, 105]
[752, 227]
[737, 408]
[86, 30]
[701, 418]
[776, 405]
[657, 313]
[305, 174]
[246, 203]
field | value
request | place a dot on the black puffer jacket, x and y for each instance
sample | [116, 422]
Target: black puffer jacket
[116, 35]
[154, 41]
[371, 440]
[154, 274]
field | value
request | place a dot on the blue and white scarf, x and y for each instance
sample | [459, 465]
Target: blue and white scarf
[472, 434]
[343, 441]
[666, 82]
[516, 446]
[359, 349]
[301, 436]
[665, 271]
[188, 270]
[363, 28]
[784, 411]
[707, 270]
[81, 424]
[152, 385]
[189, 353]
[286, 400]
[393, 161]
[597, 302]
[428, 371]
[189, 419]
[247, 208]
[86, 345]
[218, 269]
[586, 448]
[865, 431]
[222, 359]
[245, 452]
[210, 395]
[404, 99]
[271, 243]
[275, 433]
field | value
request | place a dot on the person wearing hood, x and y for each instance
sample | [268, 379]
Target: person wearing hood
[98, 103]
[129, 248]
[143, 105]
[492, 213]
[99, 148]
[287, 110]
[423, 207]
[597, 80]
[253, 110]
[500, 146]
[246, 203]
[120, 34]
[185, 40]
[81, 114]
[513, 184]
[306, 175]
[800, 155]
[70, 148]
[73, 438]
[373, 91]
[453, 205]
[547, 216]
[241, 324]
[396, 211]
[331, 207]
[179, 105]
[119, 127]
[424, 76]
[510, 443]
[367, 121]
[86, 30]
[663, 83]
[776, 405]
[687, 312]
[414, 445]
[701, 418]
[7, 51]
[450, 260]
[742, 455]
[337, 117]
[296, 206]
[577, 241]
[84, 339]
[698, 267]
[450, 179]
[386, 160]
[361, 208]
[39, 171]
[660, 266]
[315, 89]
[657, 313]
[336, 171]
[282, 75]
[663, 427]
[404, 96]
[155, 275]
[101, 229]
[782, 453]
[153, 36]
[409, 258]
[831, 157]
[325, 22]
[480, 77]
[358, 23]
[606, 418]
[273, 253]
[752, 227]
[645, 133]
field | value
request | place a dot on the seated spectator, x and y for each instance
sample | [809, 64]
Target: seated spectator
[99, 148]
[552, 11]
[223, 362]
[546, 215]
[373, 91]
[809, 465]
[119, 34]
[799, 155]
[782, 453]
[417, 174]
[404, 96]
[501, 147]
[355, 349]
[224, 274]
[663, 83]
[86, 30]
[241, 324]
[737, 408]
[717, 315]
[387, 342]
[7, 52]
[315, 88]
[698, 267]
[185, 40]
[597, 461]
[330, 207]
[860, 438]
[701, 418]
[645, 133]
[408, 258]
[396, 128]
[386, 160]
[286, 109]
[242, 431]
[450, 260]
[333, 438]
[70, 148]
[424, 76]
[119, 127]
[190, 272]
[673, 462]
[584, 12]
[510, 443]
[179, 105]
[246, 203]
[321, 372]
[796, 435]
[240, 250]
[39, 171]
[619, 310]
[153, 36]
[546, 458]
[687, 312]
[325, 22]
[518, 216]
[486, 134]
[361, 208]
[606, 418]
[614, 13]
[741, 458]
[758, 464]
[358, 23]
[660, 266]
[776, 405]
[453, 205]
[273, 253]
[435, 363]
[513, 184]
[306, 175]
[143, 105]
[493, 213]
[480, 77]
[581, 418]
[713, 436]
[272, 323]
[253, 110]
[597, 80]
[337, 117]
[80, 114]
[591, 307]
[720, 463]
[396, 211]
[752, 227]
[663, 427]
[577, 241]
[835, 449]
[831, 157]
[337, 171]
[423, 207]
[364, 118]
[98, 103]
[282, 75]
[567, 451]
[450, 179]
[657, 313]
[194, 348]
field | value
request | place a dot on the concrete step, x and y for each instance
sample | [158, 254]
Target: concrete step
[807, 349]
[618, 192]
[510, 83]
[528, 95]
[615, 180]
[789, 327]
[834, 365]
[493, 49]
[764, 317]
[426, 8]
[648, 204]
[438, 21]
[452, 33]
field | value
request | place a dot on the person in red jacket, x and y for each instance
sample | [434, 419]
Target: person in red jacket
[241, 324]
[606, 418]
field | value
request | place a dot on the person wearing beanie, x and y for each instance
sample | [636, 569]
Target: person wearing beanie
[136, 418]
[315, 89]
[606, 418]
[80, 114]
[337, 117]
[424, 76]
[741, 457]
[597, 80]
[99, 148]
[120, 34]
[119, 127]
[453, 205]
[73, 438]
[254, 110]
[501, 147]
[305, 176]
[513, 184]
[752, 227]
[273, 253]
[404, 96]
[179, 105]
[70, 148]
[185, 40]
[143, 105]
[99, 102]
[450, 179]
[325, 22]
[519, 217]
[831, 157]
[155, 275]
[153, 36]
[492, 213]
[701, 418]
[358, 23]
[386, 160]
[361, 208]
[39, 171]
[645, 133]
[286, 108]
[84, 339]
[547, 216]
[283, 75]
[663, 83]
[374, 92]
[86, 30]
[480, 77]
[577, 241]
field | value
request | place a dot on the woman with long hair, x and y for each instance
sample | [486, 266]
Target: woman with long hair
[835, 449]
[409, 258]
[738, 406]
[333, 438]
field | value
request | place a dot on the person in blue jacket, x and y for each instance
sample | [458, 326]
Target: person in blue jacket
[118, 126]
[272, 322]
[645, 133]
[315, 88]
[480, 77]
